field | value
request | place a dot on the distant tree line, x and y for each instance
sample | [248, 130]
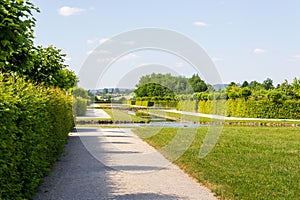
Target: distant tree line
[166, 86]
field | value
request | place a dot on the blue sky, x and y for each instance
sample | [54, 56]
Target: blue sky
[247, 40]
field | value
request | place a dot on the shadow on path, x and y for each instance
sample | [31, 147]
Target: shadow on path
[76, 175]
[96, 165]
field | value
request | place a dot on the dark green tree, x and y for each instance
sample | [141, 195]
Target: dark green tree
[197, 83]
[268, 84]
[245, 84]
[16, 35]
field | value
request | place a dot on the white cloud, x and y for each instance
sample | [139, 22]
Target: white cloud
[68, 58]
[98, 52]
[129, 56]
[89, 52]
[295, 58]
[68, 11]
[101, 41]
[200, 23]
[260, 51]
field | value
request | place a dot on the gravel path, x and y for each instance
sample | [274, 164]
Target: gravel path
[94, 113]
[116, 164]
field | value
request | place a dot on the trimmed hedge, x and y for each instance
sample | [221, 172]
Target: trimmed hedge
[187, 105]
[79, 106]
[35, 122]
[166, 104]
[288, 109]
[155, 103]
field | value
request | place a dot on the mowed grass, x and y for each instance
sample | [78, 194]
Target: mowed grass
[118, 115]
[246, 163]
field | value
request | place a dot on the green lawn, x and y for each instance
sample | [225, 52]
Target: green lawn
[119, 115]
[246, 163]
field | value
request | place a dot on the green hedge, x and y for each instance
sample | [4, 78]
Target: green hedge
[288, 109]
[35, 122]
[187, 105]
[144, 103]
[155, 103]
[79, 106]
[166, 104]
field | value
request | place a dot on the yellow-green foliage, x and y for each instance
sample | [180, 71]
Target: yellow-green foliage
[288, 109]
[212, 107]
[79, 106]
[187, 105]
[35, 122]
[144, 103]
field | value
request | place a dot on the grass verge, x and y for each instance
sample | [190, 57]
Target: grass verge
[246, 163]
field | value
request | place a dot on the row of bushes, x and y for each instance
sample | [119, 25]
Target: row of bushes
[35, 122]
[289, 109]
[162, 103]
[79, 106]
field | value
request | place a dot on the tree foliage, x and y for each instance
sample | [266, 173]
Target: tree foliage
[16, 34]
[197, 83]
[268, 84]
[153, 90]
[176, 84]
[18, 53]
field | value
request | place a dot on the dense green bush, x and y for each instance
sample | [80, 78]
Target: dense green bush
[79, 106]
[35, 122]
[81, 100]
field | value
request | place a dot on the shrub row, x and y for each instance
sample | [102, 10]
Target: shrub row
[289, 109]
[158, 103]
[79, 106]
[35, 122]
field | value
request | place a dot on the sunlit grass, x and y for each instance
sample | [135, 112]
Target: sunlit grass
[246, 163]
[119, 115]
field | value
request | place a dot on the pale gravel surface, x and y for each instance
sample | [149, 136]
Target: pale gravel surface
[227, 118]
[94, 113]
[116, 164]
